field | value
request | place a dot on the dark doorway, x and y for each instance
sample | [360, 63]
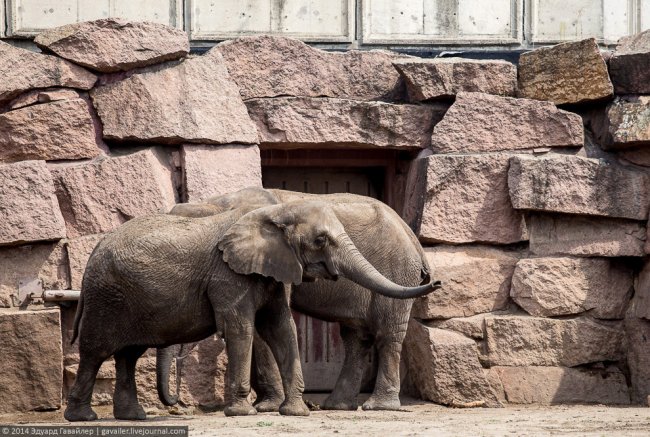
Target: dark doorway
[369, 173]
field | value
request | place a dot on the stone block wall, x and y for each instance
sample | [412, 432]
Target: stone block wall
[554, 181]
[529, 193]
[95, 131]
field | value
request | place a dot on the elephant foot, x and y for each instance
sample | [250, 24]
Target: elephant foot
[269, 405]
[135, 412]
[79, 413]
[294, 407]
[387, 404]
[332, 403]
[242, 408]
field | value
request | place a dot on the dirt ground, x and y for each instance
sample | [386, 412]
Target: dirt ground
[418, 418]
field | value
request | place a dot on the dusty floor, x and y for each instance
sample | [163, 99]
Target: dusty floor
[418, 418]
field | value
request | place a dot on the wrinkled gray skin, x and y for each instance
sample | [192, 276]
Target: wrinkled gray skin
[365, 318]
[164, 279]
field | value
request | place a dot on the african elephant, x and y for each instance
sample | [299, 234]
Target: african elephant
[365, 318]
[164, 279]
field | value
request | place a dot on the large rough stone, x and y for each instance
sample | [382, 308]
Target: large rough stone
[572, 72]
[445, 77]
[477, 280]
[548, 287]
[444, 367]
[585, 236]
[534, 341]
[100, 195]
[203, 374]
[31, 361]
[629, 66]
[44, 261]
[212, 171]
[463, 199]
[112, 44]
[562, 385]
[478, 122]
[79, 250]
[272, 66]
[577, 185]
[50, 131]
[290, 122]
[190, 101]
[29, 210]
[638, 358]
[22, 70]
[626, 123]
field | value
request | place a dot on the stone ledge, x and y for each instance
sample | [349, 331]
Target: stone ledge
[536, 341]
[576, 185]
[561, 385]
[303, 122]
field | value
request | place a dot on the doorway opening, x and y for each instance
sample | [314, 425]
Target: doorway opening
[380, 174]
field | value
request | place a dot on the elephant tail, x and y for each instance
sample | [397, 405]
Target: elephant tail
[425, 269]
[163, 367]
[77, 319]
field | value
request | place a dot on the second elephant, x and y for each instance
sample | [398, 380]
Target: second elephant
[364, 317]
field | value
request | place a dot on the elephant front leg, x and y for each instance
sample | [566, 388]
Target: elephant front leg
[266, 378]
[239, 347]
[277, 328]
[387, 386]
[125, 399]
[348, 384]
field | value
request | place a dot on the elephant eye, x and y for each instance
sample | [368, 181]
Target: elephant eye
[320, 241]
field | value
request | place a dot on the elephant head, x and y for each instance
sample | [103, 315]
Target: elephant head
[304, 240]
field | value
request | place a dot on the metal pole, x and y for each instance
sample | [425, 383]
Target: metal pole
[61, 295]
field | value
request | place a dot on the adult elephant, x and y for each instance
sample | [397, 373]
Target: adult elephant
[365, 318]
[163, 279]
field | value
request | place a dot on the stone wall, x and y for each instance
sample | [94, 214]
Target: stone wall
[555, 182]
[529, 192]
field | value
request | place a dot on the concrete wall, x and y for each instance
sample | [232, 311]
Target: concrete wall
[502, 24]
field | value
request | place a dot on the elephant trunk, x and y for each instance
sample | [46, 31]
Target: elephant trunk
[163, 366]
[354, 266]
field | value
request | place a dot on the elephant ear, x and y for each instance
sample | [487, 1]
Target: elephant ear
[258, 243]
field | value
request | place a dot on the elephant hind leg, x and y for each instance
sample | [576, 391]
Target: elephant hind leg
[387, 387]
[78, 404]
[357, 349]
[125, 399]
